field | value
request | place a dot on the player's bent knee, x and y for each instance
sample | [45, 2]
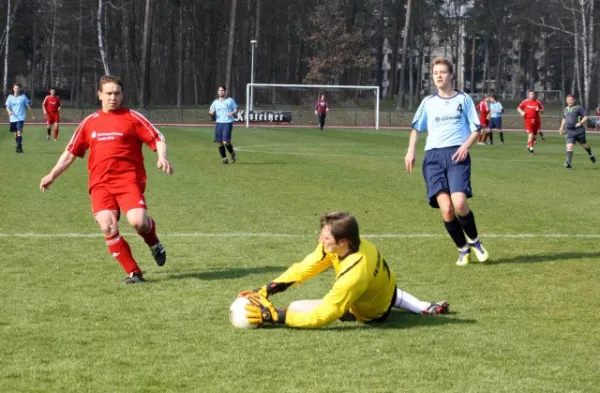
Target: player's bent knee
[137, 219]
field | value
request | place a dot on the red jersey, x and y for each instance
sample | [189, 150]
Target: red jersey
[115, 142]
[321, 106]
[51, 104]
[531, 109]
[483, 108]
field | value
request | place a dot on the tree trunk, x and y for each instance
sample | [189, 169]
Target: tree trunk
[517, 83]
[180, 57]
[486, 68]
[394, 62]
[7, 44]
[473, 66]
[411, 81]
[145, 55]
[79, 55]
[380, 38]
[33, 60]
[230, 42]
[53, 42]
[99, 19]
[400, 97]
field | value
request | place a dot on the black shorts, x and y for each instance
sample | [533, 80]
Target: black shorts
[16, 126]
[349, 317]
[576, 137]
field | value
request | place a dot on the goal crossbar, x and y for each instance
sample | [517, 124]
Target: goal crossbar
[250, 95]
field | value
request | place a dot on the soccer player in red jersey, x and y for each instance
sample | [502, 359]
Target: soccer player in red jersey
[484, 112]
[530, 109]
[321, 110]
[117, 178]
[51, 108]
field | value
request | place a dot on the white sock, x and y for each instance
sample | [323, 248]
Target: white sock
[408, 302]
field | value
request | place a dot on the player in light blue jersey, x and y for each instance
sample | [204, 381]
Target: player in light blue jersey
[496, 111]
[223, 109]
[16, 106]
[452, 126]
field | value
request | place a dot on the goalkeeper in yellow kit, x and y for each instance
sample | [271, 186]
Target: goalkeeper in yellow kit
[364, 289]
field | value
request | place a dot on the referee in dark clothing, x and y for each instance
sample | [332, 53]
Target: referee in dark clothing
[574, 120]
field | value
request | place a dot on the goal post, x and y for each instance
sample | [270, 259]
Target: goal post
[349, 105]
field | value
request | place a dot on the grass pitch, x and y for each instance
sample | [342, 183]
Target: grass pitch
[525, 322]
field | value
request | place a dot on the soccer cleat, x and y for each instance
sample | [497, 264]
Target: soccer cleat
[233, 158]
[567, 165]
[225, 161]
[480, 252]
[464, 257]
[19, 150]
[531, 150]
[133, 278]
[48, 137]
[593, 159]
[437, 308]
[159, 253]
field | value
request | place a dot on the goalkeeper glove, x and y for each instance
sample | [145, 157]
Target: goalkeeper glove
[261, 310]
[268, 289]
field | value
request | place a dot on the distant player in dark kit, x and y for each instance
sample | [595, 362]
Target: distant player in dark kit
[321, 110]
[574, 120]
[224, 108]
[452, 126]
[51, 107]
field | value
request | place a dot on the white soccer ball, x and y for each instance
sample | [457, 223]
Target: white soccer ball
[237, 314]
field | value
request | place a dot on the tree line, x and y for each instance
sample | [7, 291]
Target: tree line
[176, 52]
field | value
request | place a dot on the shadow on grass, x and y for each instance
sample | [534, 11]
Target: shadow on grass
[224, 274]
[545, 257]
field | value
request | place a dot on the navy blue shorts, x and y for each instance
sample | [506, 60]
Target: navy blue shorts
[223, 132]
[16, 126]
[441, 173]
[496, 122]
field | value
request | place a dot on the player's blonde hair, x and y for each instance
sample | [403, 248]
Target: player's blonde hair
[104, 79]
[343, 226]
[444, 61]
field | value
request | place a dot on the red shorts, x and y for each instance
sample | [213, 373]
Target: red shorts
[52, 118]
[124, 198]
[484, 121]
[532, 126]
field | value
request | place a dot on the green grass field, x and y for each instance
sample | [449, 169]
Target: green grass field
[525, 322]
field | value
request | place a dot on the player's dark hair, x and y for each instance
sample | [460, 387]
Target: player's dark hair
[223, 87]
[493, 96]
[570, 95]
[443, 61]
[104, 79]
[343, 226]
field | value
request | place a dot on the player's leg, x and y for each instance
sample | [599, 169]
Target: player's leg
[569, 153]
[586, 146]
[219, 141]
[145, 226]
[501, 136]
[56, 124]
[48, 126]
[13, 129]
[106, 213]
[20, 125]
[322, 120]
[227, 131]
[530, 140]
[409, 302]
[459, 180]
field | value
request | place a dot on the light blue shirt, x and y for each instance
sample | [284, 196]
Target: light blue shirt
[496, 109]
[222, 108]
[18, 106]
[448, 121]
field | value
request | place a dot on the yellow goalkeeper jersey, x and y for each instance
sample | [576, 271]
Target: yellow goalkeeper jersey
[364, 285]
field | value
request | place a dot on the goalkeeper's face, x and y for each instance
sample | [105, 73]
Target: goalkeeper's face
[330, 244]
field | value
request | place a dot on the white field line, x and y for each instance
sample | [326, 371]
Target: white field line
[33, 235]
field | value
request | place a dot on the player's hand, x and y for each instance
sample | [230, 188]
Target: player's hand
[560, 132]
[261, 310]
[262, 291]
[164, 165]
[316, 113]
[46, 182]
[461, 154]
[32, 117]
[409, 161]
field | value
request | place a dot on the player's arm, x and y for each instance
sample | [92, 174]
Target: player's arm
[411, 152]
[563, 123]
[473, 122]
[235, 109]
[313, 264]
[64, 162]
[163, 162]
[7, 106]
[540, 107]
[211, 110]
[30, 111]
[520, 108]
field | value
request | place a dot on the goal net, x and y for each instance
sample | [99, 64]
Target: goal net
[349, 106]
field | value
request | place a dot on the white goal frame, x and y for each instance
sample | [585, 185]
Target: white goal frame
[250, 95]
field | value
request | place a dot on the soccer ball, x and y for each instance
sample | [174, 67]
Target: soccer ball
[237, 314]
